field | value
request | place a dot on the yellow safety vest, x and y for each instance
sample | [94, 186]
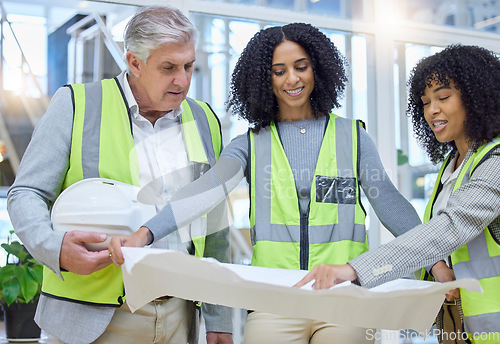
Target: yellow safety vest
[103, 146]
[479, 259]
[333, 232]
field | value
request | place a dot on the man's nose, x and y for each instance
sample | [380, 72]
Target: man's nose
[182, 78]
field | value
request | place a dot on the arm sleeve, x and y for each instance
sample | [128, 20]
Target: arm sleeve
[199, 197]
[39, 181]
[470, 209]
[393, 210]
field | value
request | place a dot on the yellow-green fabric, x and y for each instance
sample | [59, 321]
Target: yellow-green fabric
[477, 259]
[112, 155]
[324, 239]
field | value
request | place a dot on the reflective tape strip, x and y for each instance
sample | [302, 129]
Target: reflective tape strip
[483, 323]
[344, 157]
[317, 234]
[340, 232]
[92, 130]
[480, 265]
[345, 168]
[263, 177]
[213, 126]
[203, 126]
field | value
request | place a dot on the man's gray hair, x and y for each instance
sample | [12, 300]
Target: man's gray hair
[154, 26]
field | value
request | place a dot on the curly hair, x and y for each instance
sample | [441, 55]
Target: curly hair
[251, 95]
[475, 72]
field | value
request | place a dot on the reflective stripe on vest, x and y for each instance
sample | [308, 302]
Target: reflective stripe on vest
[198, 121]
[479, 259]
[334, 230]
[102, 146]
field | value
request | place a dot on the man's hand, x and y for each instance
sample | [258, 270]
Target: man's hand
[139, 239]
[442, 273]
[219, 338]
[327, 275]
[76, 258]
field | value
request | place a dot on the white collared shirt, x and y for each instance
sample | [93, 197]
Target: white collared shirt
[163, 161]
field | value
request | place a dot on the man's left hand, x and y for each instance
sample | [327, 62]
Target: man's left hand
[219, 338]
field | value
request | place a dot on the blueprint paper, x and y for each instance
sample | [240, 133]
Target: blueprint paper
[401, 304]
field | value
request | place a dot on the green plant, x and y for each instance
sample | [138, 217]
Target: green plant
[20, 281]
[402, 158]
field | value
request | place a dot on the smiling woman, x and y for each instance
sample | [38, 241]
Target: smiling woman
[453, 101]
[307, 81]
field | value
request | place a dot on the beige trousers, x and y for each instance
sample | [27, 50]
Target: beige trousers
[160, 321]
[264, 328]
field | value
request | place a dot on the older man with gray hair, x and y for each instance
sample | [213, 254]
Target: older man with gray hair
[136, 128]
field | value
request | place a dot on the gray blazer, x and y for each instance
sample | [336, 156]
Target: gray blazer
[38, 183]
[470, 209]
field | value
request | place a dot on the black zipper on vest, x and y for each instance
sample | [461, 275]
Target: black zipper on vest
[304, 241]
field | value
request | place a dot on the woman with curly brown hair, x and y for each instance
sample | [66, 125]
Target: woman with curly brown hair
[454, 104]
[305, 167]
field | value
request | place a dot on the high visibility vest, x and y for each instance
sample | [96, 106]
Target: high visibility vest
[333, 231]
[479, 259]
[102, 146]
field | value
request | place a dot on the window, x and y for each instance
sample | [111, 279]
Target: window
[482, 15]
[30, 31]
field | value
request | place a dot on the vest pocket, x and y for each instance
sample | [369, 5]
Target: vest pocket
[335, 190]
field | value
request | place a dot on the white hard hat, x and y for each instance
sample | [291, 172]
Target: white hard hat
[100, 205]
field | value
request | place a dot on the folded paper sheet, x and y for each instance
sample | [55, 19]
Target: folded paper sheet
[401, 304]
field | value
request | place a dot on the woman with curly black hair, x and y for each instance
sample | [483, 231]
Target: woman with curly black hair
[454, 104]
[252, 96]
[303, 170]
[305, 167]
[470, 70]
